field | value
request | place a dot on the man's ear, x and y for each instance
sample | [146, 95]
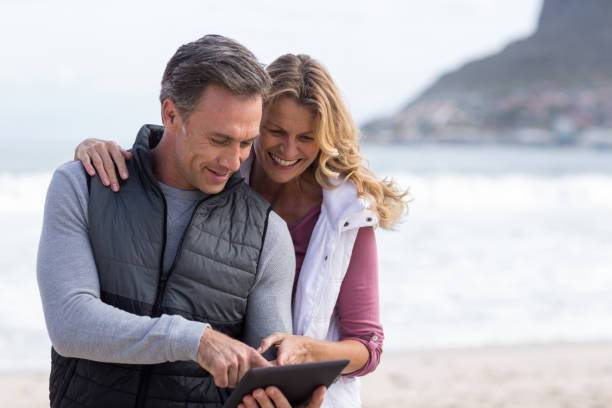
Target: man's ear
[170, 116]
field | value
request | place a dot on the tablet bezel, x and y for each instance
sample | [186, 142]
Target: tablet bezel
[297, 382]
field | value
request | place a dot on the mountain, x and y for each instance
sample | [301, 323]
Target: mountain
[554, 86]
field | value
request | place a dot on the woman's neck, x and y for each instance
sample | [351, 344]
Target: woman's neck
[291, 200]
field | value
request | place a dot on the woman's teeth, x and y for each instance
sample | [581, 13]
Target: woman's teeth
[283, 162]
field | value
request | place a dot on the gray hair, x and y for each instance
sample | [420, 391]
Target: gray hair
[212, 58]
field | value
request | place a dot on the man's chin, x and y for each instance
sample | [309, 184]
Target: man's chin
[209, 188]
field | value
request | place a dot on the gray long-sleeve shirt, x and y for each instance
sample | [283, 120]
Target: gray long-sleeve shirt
[81, 325]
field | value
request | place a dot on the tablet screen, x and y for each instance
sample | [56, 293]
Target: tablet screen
[297, 381]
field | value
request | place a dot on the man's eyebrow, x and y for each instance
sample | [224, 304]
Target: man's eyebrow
[228, 137]
[222, 135]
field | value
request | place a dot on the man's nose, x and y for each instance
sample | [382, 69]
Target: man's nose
[231, 158]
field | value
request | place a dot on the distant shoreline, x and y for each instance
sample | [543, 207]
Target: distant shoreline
[493, 143]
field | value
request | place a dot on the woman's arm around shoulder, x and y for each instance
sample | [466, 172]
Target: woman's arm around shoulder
[106, 158]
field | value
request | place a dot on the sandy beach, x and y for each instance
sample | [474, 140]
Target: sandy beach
[542, 376]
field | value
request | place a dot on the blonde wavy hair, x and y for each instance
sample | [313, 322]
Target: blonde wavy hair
[306, 80]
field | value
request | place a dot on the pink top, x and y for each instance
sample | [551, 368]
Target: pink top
[357, 304]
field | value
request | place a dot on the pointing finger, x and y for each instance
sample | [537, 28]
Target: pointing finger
[269, 341]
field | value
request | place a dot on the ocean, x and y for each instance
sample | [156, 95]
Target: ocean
[502, 246]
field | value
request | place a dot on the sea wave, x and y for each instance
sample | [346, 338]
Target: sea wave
[24, 193]
[481, 259]
[515, 192]
[499, 259]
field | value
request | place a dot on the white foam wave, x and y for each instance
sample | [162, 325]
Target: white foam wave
[498, 258]
[460, 193]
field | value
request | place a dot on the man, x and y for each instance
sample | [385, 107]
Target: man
[144, 287]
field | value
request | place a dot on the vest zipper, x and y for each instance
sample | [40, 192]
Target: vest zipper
[162, 282]
[161, 292]
[164, 279]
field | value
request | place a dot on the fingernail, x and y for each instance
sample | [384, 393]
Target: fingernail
[115, 187]
[106, 182]
[124, 175]
[91, 172]
[259, 349]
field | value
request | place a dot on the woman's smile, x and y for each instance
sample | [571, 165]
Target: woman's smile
[281, 163]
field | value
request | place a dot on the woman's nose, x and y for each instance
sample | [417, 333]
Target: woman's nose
[289, 147]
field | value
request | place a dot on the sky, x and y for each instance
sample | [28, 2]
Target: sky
[76, 69]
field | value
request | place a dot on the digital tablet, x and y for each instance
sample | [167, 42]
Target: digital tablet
[297, 381]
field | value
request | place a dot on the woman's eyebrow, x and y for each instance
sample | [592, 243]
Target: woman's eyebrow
[273, 124]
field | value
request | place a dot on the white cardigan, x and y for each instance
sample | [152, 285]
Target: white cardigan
[325, 263]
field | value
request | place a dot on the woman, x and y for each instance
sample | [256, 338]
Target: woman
[306, 163]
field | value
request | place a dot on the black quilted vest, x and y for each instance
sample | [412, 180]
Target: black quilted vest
[210, 279]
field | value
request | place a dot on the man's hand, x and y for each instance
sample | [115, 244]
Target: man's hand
[226, 359]
[272, 397]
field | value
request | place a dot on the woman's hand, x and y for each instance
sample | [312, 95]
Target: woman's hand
[272, 397]
[102, 156]
[291, 349]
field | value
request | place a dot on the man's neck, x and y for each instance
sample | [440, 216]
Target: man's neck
[164, 167]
